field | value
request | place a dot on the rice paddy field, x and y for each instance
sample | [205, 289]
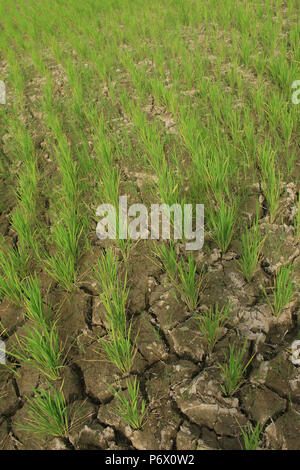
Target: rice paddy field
[127, 344]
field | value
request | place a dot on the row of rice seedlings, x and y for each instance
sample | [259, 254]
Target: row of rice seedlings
[168, 181]
[103, 168]
[76, 178]
[182, 274]
[212, 170]
[68, 233]
[168, 186]
[17, 78]
[107, 190]
[282, 290]
[14, 262]
[118, 346]
[24, 217]
[39, 346]
[166, 168]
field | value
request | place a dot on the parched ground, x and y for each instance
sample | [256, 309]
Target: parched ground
[113, 74]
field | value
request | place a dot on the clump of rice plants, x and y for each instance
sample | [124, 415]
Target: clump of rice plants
[40, 348]
[12, 271]
[119, 348]
[130, 407]
[271, 178]
[182, 274]
[251, 436]
[283, 289]
[47, 414]
[211, 323]
[221, 223]
[252, 244]
[234, 369]
[33, 301]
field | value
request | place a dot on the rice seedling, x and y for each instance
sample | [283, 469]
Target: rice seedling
[221, 223]
[168, 257]
[119, 348]
[251, 436]
[211, 323]
[106, 271]
[131, 408]
[252, 244]
[271, 188]
[47, 414]
[271, 178]
[217, 172]
[62, 265]
[234, 369]
[40, 348]
[190, 284]
[183, 275]
[283, 289]
[12, 270]
[22, 225]
[33, 299]
[62, 269]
